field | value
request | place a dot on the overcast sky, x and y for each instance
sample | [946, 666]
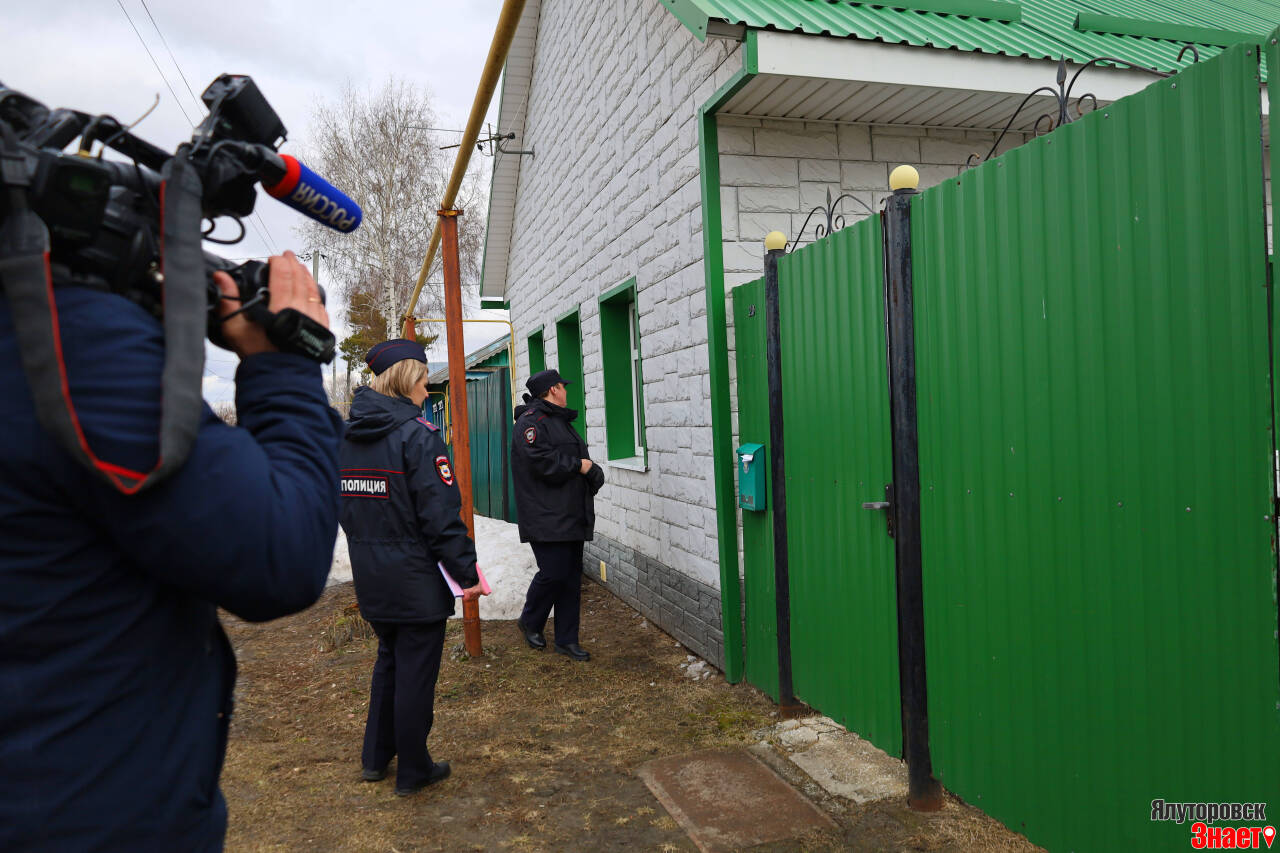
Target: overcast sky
[86, 54]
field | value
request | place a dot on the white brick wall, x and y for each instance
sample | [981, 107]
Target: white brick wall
[613, 192]
[774, 172]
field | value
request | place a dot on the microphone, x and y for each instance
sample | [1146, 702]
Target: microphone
[313, 196]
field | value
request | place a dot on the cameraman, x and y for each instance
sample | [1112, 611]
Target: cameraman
[115, 676]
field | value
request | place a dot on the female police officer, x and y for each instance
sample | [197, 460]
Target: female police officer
[400, 513]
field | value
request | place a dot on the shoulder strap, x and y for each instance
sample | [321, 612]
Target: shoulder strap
[28, 284]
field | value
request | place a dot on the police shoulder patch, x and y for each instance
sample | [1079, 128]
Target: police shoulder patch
[444, 470]
[428, 424]
[530, 435]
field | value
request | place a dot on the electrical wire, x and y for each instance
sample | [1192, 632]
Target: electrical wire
[176, 100]
[165, 42]
[275, 250]
[261, 237]
[260, 226]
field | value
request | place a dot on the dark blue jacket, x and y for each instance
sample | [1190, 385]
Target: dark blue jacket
[400, 508]
[115, 675]
[555, 501]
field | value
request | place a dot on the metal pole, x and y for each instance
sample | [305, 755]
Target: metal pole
[448, 220]
[508, 21]
[778, 473]
[924, 793]
[333, 371]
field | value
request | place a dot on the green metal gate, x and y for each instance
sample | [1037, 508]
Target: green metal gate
[836, 409]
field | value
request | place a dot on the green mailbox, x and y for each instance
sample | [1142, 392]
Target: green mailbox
[751, 493]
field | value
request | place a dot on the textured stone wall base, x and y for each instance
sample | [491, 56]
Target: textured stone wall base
[684, 607]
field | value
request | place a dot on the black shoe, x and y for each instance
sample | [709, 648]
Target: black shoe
[533, 638]
[439, 772]
[574, 651]
[373, 775]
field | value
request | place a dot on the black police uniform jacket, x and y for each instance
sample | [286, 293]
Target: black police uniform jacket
[555, 502]
[115, 676]
[400, 509]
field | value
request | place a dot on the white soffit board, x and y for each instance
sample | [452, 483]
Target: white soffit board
[795, 55]
[514, 101]
[819, 78]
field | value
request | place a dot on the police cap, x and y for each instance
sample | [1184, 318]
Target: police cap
[388, 353]
[539, 383]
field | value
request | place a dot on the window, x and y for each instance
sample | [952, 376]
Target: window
[623, 377]
[569, 344]
[537, 353]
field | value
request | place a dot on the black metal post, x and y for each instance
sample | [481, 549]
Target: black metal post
[778, 477]
[924, 792]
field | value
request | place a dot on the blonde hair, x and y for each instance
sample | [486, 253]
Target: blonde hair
[399, 378]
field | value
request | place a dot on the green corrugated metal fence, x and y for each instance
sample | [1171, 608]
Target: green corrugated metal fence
[1096, 460]
[759, 602]
[1095, 455]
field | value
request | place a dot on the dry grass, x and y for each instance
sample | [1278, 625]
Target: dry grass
[544, 750]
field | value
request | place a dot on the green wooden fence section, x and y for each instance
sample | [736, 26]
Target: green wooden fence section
[1095, 454]
[490, 424]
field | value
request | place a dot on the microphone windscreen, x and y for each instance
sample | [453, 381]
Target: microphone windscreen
[313, 196]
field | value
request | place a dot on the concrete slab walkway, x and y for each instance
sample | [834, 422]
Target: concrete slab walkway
[729, 800]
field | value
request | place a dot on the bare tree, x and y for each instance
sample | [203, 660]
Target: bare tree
[377, 147]
[227, 411]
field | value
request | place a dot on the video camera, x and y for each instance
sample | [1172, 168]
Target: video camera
[135, 228]
[104, 216]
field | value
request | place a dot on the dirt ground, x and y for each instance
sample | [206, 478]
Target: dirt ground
[544, 750]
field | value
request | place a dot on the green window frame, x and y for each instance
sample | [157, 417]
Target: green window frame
[623, 373]
[569, 345]
[537, 352]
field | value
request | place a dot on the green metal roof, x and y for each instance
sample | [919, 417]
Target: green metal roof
[1144, 32]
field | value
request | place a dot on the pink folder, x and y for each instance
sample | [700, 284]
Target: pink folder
[456, 589]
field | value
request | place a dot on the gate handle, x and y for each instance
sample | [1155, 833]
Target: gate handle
[886, 505]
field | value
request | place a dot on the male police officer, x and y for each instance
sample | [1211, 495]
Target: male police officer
[555, 484]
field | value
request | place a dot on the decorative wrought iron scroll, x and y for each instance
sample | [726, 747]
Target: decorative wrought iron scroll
[834, 221]
[1046, 123]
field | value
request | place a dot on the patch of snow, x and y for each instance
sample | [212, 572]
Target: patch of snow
[340, 570]
[697, 669]
[507, 563]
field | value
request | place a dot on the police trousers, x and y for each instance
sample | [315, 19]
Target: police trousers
[402, 698]
[558, 586]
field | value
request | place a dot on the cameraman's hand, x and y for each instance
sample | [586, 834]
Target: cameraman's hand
[291, 286]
